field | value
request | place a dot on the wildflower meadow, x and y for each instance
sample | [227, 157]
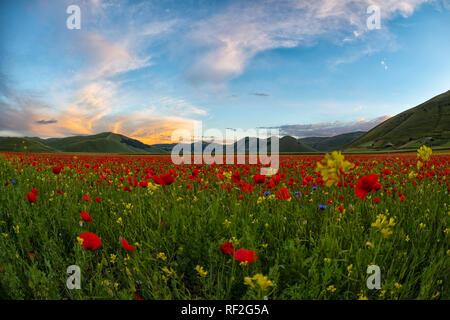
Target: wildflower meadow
[140, 227]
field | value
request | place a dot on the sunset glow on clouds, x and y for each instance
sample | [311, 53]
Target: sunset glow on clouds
[145, 69]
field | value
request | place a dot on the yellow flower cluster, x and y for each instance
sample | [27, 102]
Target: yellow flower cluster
[227, 175]
[201, 272]
[331, 288]
[261, 281]
[226, 223]
[169, 273]
[162, 256]
[424, 153]
[384, 225]
[332, 167]
[412, 174]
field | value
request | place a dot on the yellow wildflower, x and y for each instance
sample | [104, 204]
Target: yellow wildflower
[80, 240]
[424, 153]
[331, 288]
[162, 256]
[170, 272]
[349, 270]
[262, 281]
[361, 296]
[226, 223]
[201, 271]
[332, 167]
[384, 225]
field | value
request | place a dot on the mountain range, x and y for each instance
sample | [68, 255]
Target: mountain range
[427, 123]
[108, 142]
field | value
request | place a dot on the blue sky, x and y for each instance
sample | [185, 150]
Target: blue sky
[147, 68]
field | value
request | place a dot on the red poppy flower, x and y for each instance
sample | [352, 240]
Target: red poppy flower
[166, 179]
[402, 198]
[91, 240]
[59, 191]
[56, 170]
[227, 248]
[143, 184]
[244, 255]
[137, 296]
[98, 199]
[85, 216]
[365, 185]
[283, 194]
[245, 187]
[236, 177]
[376, 200]
[259, 178]
[35, 191]
[127, 246]
[341, 208]
[86, 198]
[31, 197]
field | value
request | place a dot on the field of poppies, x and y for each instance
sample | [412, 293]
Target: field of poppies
[140, 227]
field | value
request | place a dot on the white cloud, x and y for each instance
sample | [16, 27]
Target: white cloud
[233, 37]
[105, 59]
[329, 129]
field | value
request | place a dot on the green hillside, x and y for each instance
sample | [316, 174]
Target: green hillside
[23, 145]
[291, 144]
[428, 123]
[327, 144]
[106, 142]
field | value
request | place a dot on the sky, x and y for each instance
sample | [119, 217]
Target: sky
[147, 68]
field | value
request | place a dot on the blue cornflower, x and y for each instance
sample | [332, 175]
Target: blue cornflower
[267, 193]
[314, 188]
[14, 182]
[298, 194]
[322, 206]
